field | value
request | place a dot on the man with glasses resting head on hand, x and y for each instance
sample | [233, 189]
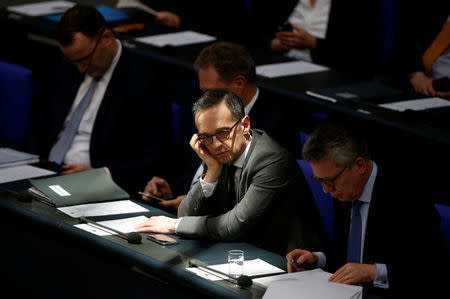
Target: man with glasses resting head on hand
[252, 189]
[381, 217]
[96, 112]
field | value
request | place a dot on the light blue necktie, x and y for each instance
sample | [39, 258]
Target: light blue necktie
[354, 240]
[61, 147]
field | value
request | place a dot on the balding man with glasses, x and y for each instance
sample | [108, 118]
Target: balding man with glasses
[387, 234]
[102, 106]
[252, 189]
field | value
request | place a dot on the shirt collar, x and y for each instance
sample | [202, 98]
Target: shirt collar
[240, 162]
[366, 196]
[252, 102]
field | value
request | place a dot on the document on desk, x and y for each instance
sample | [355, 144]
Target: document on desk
[22, 172]
[103, 209]
[417, 104]
[176, 39]
[42, 8]
[251, 268]
[136, 4]
[307, 284]
[288, 69]
[11, 157]
[125, 225]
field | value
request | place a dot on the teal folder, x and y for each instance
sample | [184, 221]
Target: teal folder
[90, 186]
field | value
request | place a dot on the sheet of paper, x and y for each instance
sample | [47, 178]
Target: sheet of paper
[42, 8]
[124, 225]
[288, 69]
[210, 275]
[136, 4]
[22, 172]
[251, 268]
[103, 209]
[176, 39]
[294, 289]
[306, 284]
[417, 104]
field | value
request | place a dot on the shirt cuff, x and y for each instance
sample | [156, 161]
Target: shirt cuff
[208, 188]
[381, 280]
[176, 225]
[321, 259]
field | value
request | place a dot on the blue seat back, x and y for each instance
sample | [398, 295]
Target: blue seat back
[323, 200]
[176, 122]
[444, 212]
[15, 102]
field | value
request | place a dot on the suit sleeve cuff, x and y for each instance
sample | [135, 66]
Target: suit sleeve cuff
[207, 188]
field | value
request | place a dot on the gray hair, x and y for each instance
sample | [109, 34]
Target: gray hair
[213, 97]
[337, 142]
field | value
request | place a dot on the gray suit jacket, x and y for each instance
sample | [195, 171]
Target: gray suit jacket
[274, 208]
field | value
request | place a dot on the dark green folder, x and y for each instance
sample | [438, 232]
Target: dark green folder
[90, 186]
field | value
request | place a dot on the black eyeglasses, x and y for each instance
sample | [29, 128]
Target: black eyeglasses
[328, 181]
[222, 135]
[86, 60]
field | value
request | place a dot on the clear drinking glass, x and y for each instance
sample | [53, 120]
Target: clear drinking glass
[235, 263]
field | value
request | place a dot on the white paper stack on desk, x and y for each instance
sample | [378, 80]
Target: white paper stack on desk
[307, 284]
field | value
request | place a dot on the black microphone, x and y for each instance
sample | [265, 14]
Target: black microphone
[133, 237]
[242, 281]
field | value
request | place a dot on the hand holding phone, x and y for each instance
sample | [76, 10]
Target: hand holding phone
[286, 26]
[151, 196]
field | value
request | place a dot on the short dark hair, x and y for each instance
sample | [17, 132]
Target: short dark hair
[229, 60]
[212, 97]
[80, 18]
[336, 141]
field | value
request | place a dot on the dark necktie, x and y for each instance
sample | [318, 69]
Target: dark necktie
[231, 186]
[354, 240]
[64, 142]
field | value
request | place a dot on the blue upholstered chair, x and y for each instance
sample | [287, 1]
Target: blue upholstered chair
[176, 122]
[444, 212]
[15, 102]
[323, 200]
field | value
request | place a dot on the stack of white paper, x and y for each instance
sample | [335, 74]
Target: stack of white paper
[125, 225]
[251, 268]
[103, 209]
[288, 69]
[176, 39]
[42, 8]
[417, 104]
[22, 172]
[307, 284]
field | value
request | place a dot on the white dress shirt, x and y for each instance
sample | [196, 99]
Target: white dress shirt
[314, 19]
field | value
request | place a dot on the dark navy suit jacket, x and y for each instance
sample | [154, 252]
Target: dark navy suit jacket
[132, 131]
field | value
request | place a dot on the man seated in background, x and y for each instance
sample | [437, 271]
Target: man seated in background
[252, 189]
[230, 66]
[386, 227]
[104, 108]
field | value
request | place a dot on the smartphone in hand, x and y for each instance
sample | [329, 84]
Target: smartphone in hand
[286, 26]
[151, 196]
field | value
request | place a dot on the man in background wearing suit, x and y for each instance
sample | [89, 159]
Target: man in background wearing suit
[252, 189]
[119, 104]
[386, 228]
[230, 66]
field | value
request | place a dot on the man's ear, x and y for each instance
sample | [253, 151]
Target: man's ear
[362, 165]
[245, 122]
[239, 83]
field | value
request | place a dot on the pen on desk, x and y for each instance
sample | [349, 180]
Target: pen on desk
[319, 96]
[304, 266]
